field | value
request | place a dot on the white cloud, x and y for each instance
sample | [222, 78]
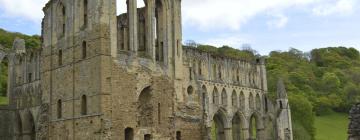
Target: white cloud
[26, 9]
[340, 7]
[279, 21]
[232, 14]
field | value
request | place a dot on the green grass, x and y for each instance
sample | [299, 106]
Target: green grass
[3, 100]
[332, 127]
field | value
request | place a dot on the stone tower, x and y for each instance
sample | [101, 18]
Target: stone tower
[284, 124]
[79, 42]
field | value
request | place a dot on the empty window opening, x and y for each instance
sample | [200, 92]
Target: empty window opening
[83, 105]
[178, 135]
[59, 109]
[200, 68]
[63, 20]
[147, 137]
[60, 55]
[224, 97]
[84, 49]
[146, 108]
[29, 77]
[129, 134]
[234, 99]
[4, 72]
[85, 16]
[219, 72]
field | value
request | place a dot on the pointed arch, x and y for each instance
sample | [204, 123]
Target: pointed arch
[234, 98]
[258, 102]
[224, 97]
[145, 107]
[254, 126]
[251, 101]
[242, 100]
[218, 125]
[204, 99]
[190, 93]
[215, 96]
[28, 126]
[237, 125]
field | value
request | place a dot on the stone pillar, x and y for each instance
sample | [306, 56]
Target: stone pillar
[150, 28]
[228, 133]
[246, 135]
[133, 25]
[207, 135]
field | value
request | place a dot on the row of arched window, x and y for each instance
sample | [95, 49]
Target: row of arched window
[83, 108]
[62, 17]
[235, 100]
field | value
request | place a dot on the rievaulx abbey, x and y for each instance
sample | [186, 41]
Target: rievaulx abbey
[99, 76]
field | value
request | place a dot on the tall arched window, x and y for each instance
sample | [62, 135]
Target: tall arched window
[85, 12]
[258, 102]
[60, 55]
[224, 97]
[83, 105]
[215, 96]
[242, 100]
[84, 49]
[146, 118]
[190, 91]
[59, 109]
[251, 101]
[64, 20]
[234, 99]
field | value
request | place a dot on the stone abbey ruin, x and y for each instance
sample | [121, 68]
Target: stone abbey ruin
[99, 76]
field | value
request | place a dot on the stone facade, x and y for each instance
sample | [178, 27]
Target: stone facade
[354, 126]
[106, 77]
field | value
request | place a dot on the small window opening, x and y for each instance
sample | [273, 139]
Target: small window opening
[83, 105]
[178, 135]
[59, 109]
[147, 137]
[60, 57]
[84, 49]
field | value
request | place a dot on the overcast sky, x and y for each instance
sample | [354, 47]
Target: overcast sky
[265, 24]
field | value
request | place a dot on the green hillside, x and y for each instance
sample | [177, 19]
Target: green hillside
[332, 127]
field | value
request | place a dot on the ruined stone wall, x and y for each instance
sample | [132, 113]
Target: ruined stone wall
[224, 70]
[142, 101]
[354, 126]
[6, 119]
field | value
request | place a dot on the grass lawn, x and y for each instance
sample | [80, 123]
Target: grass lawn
[3, 100]
[332, 127]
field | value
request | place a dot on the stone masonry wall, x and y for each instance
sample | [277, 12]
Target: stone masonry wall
[354, 126]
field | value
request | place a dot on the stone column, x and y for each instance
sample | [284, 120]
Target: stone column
[207, 135]
[150, 28]
[246, 135]
[133, 25]
[228, 133]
